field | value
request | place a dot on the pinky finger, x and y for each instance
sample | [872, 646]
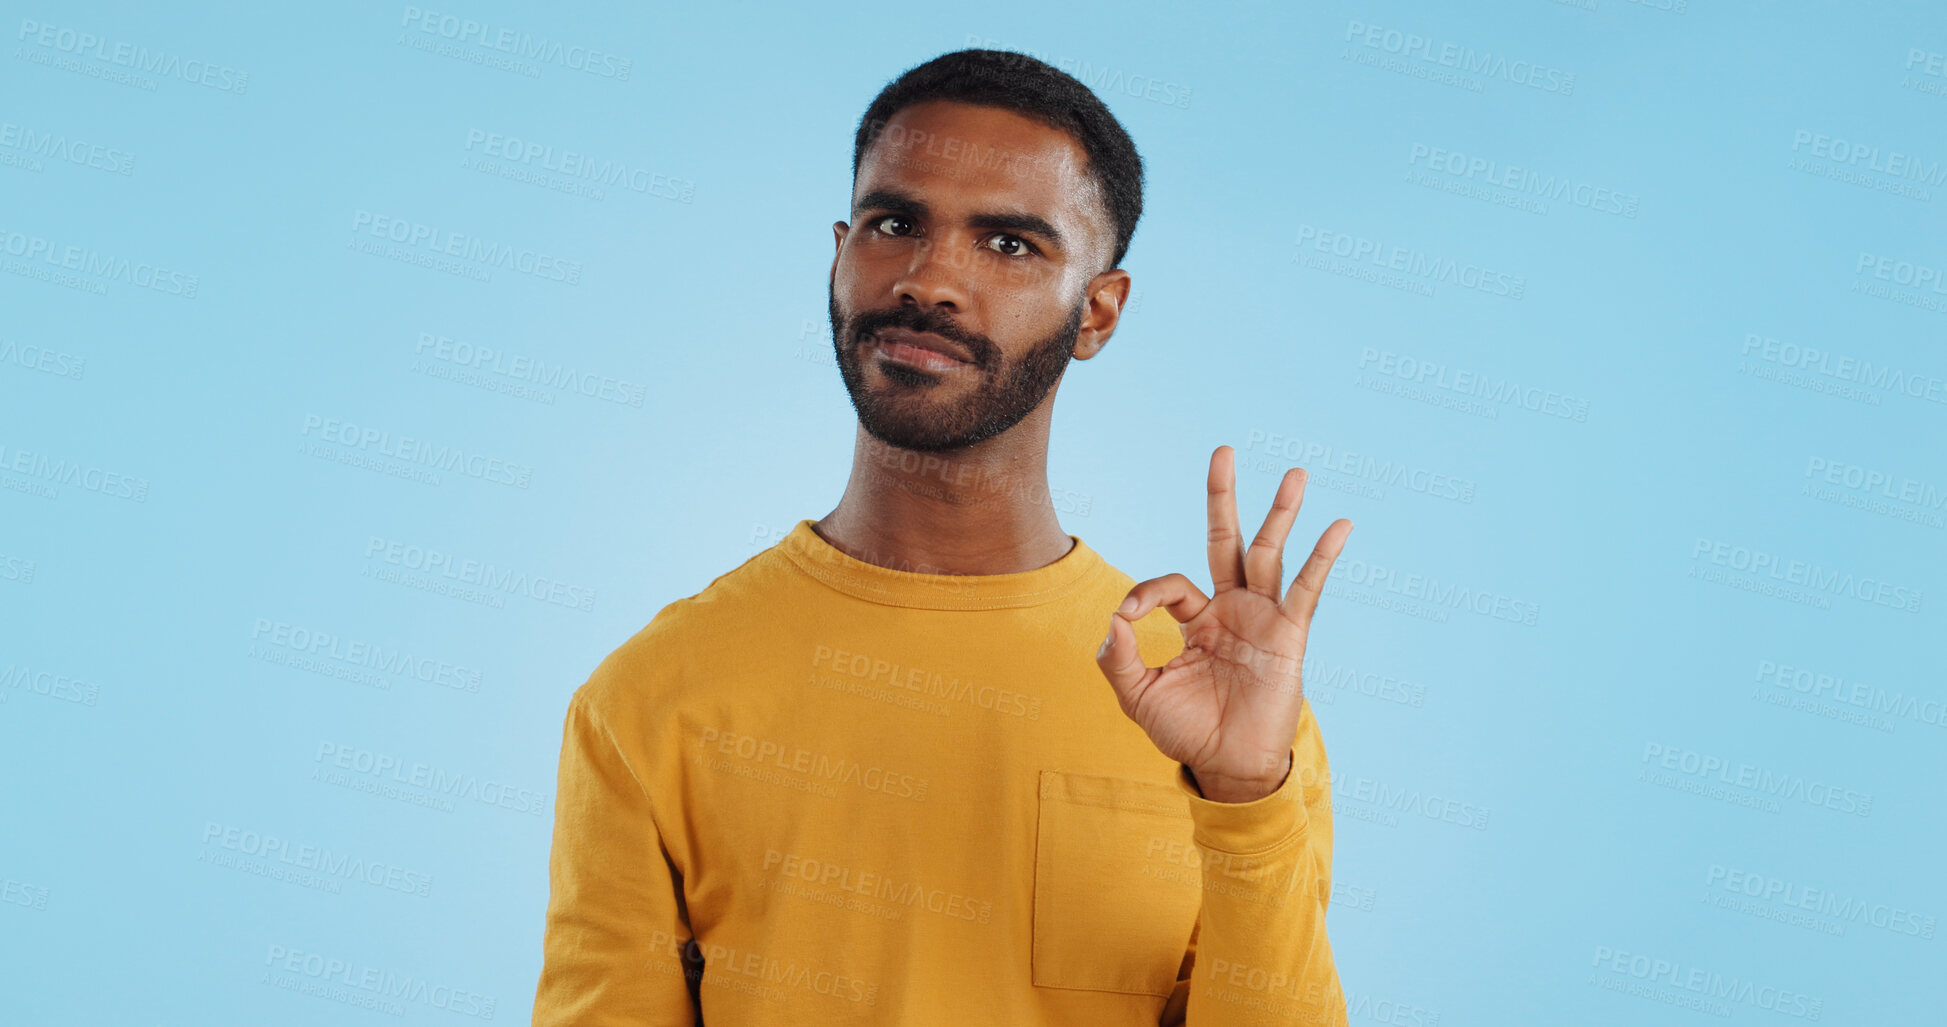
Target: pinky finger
[1310, 583]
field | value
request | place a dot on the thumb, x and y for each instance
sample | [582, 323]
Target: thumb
[1122, 664]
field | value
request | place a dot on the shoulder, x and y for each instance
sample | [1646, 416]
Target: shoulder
[666, 657]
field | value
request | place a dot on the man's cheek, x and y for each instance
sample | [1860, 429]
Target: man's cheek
[1027, 276]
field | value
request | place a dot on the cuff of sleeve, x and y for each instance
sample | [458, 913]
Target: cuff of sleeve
[1247, 827]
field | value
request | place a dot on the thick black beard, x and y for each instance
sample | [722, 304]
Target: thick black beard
[905, 415]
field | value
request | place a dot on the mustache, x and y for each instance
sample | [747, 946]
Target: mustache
[912, 319]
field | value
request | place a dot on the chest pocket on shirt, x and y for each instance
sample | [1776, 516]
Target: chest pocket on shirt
[1116, 891]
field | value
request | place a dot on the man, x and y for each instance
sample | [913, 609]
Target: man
[868, 775]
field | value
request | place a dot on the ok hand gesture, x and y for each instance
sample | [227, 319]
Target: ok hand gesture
[1227, 707]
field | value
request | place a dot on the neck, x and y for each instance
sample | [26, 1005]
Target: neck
[982, 509]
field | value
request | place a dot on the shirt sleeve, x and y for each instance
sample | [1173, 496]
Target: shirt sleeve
[617, 947]
[1259, 953]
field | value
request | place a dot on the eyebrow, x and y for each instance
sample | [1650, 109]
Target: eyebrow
[1006, 221]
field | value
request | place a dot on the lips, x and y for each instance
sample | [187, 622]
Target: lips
[923, 340]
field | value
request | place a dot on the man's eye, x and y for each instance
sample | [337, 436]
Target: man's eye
[890, 219]
[1020, 245]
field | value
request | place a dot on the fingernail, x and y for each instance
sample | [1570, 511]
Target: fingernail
[1106, 642]
[1128, 605]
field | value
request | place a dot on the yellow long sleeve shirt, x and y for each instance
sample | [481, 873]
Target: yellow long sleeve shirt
[821, 791]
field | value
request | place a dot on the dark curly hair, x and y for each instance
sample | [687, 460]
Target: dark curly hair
[1020, 83]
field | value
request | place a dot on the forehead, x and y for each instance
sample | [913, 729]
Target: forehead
[964, 158]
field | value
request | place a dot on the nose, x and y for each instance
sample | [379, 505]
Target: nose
[932, 279]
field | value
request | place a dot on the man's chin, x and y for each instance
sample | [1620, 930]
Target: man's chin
[906, 432]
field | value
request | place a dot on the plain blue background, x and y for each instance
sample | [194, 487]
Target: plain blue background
[171, 538]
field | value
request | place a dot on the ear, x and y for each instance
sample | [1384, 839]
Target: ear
[839, 230]
[1107, 293]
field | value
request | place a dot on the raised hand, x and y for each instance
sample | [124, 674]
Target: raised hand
[1227, 707]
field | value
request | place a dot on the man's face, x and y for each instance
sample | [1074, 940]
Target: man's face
[980, 227]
